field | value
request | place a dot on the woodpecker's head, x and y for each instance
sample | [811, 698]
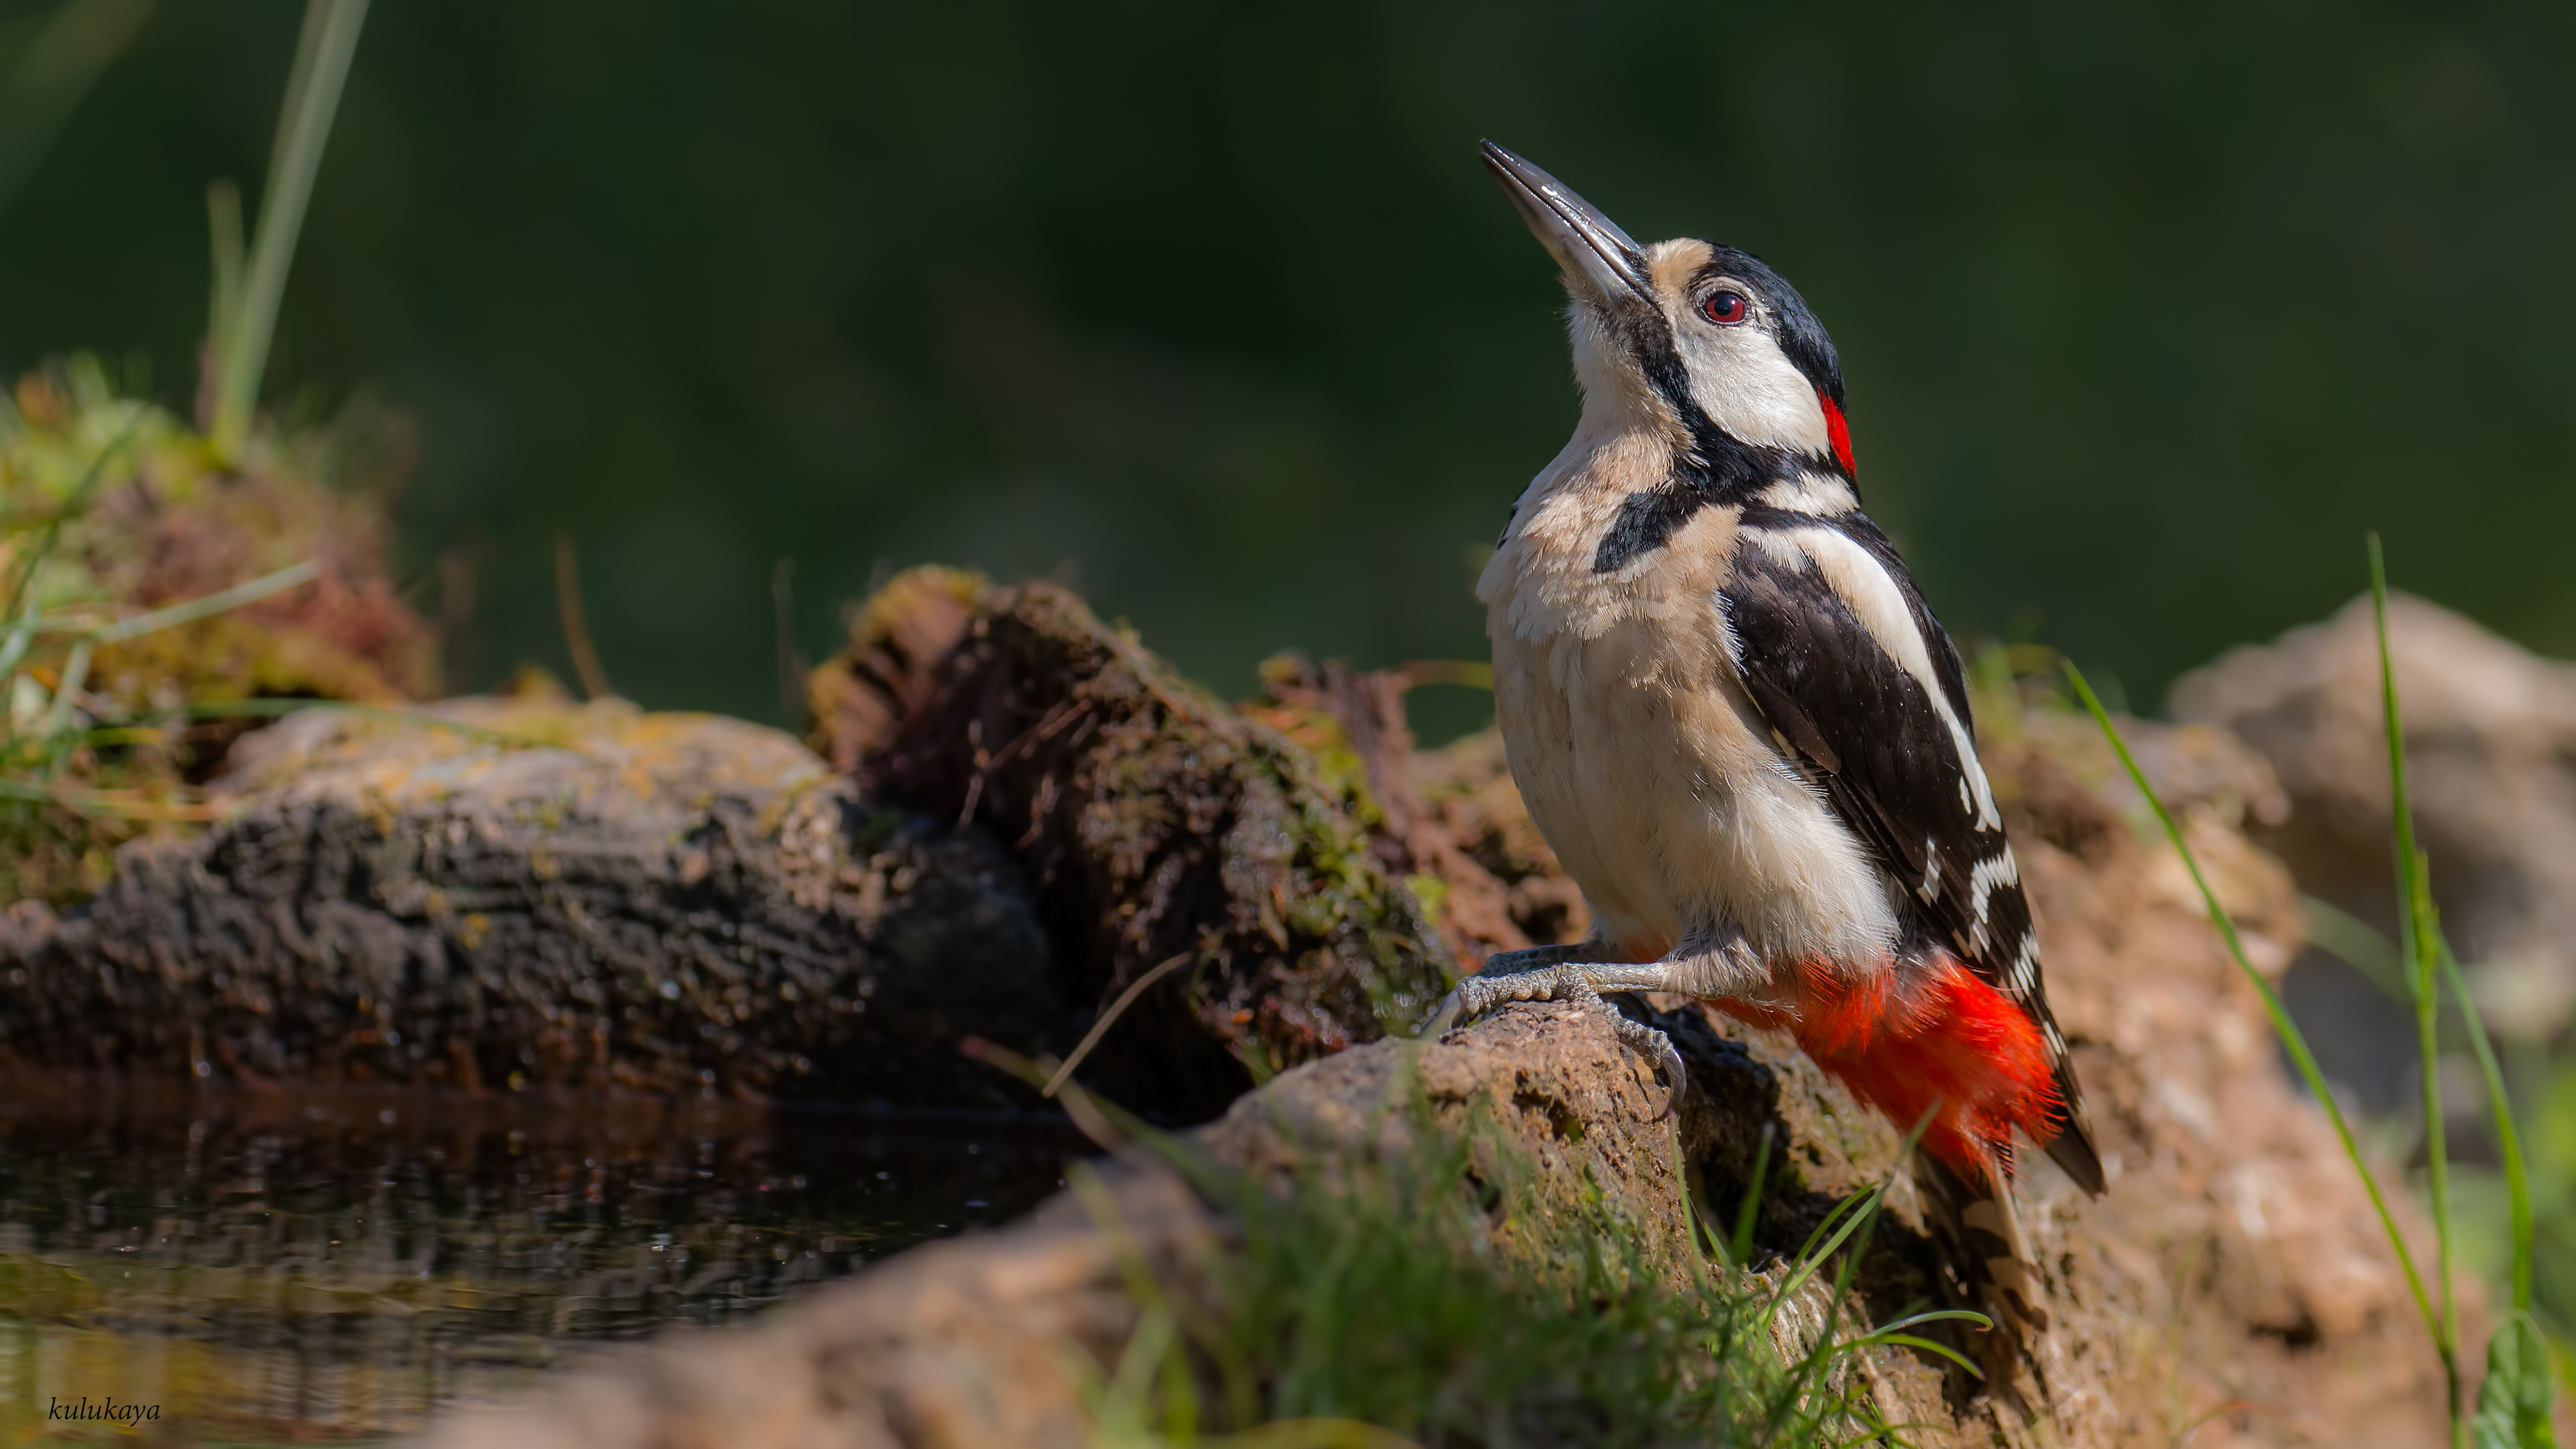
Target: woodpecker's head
[1690, 335]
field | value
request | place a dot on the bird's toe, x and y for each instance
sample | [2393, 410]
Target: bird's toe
[1446, 1015]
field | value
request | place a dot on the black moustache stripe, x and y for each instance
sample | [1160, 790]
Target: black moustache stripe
[1715, 467]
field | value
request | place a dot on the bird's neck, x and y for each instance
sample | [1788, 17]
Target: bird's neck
[1633, 484]
[1633, 438]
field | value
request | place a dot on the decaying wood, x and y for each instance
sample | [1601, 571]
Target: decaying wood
[1154, 821]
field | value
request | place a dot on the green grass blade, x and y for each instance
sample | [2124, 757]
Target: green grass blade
[224, 229]
[1937, 1315]
[1740, 1246]
[13, 645]
[313, 96]
[2517, 1178]
[1907, 1340]
[1810, 1254]
[2419, 978]
[73, 503]
[1864, 1221]
[2417, 923]
[207, 606]
[2291, 1037]
[1862, 1208]
[2401, 810]
[2351, 940]
[58, 717]
[299, 79]
[1697, 1231]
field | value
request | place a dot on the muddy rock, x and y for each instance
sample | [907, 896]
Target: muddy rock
[2491, 742]
[521, 893]
[1578, 1113]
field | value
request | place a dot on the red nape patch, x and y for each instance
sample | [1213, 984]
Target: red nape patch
[1839, 432]
[1951, 1040]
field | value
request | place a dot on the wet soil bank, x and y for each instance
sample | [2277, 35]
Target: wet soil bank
[1013, 815]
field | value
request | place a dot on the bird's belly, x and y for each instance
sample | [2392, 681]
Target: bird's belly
[1647, 769]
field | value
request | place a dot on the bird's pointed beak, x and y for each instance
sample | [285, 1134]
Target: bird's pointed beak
[1594, 252]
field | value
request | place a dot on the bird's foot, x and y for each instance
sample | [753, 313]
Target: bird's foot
[1502, 965]
[1567, 981]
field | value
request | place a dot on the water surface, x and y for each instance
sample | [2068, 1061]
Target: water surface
[333, 1265]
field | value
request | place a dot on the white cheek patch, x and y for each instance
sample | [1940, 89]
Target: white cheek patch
[1747, 386]
[1874, 599]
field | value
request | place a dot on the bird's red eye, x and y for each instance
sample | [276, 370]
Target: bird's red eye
[1723, 308]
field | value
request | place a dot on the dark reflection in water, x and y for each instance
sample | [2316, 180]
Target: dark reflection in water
[287, 1265]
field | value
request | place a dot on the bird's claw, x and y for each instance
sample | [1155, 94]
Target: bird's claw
[1471, 998]
[1680, 1076]
[1444, 1016]
[1652, 1044]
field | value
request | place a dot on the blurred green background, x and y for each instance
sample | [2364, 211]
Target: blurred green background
[2148, 310]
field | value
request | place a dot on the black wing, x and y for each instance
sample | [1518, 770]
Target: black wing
[1892, 768]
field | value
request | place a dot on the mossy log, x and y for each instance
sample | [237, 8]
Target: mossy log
[514, 894]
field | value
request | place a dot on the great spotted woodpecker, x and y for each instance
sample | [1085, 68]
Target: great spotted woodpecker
[1744, 734]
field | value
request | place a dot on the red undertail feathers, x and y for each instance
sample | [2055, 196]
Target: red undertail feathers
[1950, 1039]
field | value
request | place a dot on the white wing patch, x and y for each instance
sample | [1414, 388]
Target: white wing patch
[1863, 584]
[1993, 871]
